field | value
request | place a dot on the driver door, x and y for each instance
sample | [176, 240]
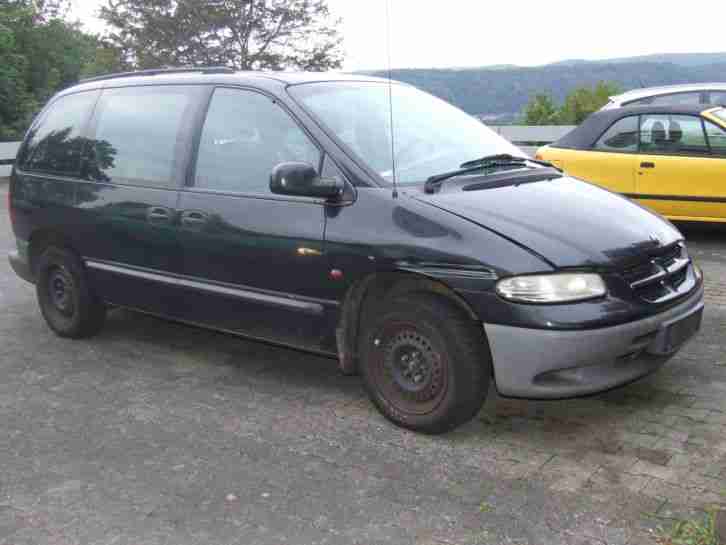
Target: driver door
[680, 167]
[253, 260]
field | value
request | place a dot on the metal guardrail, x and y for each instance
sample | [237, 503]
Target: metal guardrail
[8, 151]
[528, 138]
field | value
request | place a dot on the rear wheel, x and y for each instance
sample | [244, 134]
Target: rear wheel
[66, 301]
[425, 364]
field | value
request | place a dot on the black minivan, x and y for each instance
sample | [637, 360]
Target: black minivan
[349, 216]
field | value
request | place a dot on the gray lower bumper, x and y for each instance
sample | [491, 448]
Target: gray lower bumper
[20, 266]
[543, 364]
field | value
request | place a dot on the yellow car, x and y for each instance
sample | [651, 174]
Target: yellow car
[669, 158]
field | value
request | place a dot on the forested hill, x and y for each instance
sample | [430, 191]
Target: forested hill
[500, 93]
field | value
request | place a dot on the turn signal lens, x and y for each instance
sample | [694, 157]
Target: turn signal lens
[552, 288]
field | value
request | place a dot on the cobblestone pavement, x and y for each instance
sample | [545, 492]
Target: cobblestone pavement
[159, 433]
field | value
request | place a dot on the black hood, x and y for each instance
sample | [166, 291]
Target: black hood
[568, 222]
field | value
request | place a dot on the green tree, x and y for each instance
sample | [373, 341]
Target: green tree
[242, 34]
[541, 110]
[39, 54]
[580, 103]
[105, 59]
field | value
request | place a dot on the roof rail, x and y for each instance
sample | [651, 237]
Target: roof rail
[160, 71]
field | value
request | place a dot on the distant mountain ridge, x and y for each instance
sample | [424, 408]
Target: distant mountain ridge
[500, 93]
[681, 59]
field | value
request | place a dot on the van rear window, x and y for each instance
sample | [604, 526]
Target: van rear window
[56, 143]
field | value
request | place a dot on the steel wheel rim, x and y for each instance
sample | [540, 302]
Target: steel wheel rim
[61, 291]
[409, 369]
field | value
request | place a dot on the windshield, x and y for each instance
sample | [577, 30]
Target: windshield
[720, 114]
[430, 135]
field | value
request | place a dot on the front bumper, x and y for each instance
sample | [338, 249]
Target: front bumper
[546, 364]
[20, 266]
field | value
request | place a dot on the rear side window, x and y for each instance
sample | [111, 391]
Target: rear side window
[717, 98]
[56, 143]
[621, 136]
[673, 134]
[674, 99]
[143, 135]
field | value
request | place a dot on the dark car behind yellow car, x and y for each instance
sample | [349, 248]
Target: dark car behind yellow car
[669, 158]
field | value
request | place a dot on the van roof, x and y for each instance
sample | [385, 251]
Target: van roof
[216, 75]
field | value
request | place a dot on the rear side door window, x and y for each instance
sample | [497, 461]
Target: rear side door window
[143, 135]
[622, 136]
[716, 138]
[717, 98]
[673, 135]
[55, 145]
[673, 99]
[245, 135]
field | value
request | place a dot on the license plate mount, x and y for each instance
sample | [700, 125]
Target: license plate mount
[674, 334]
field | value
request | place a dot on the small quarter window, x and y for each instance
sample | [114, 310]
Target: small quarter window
[56, 143]
[621, 136]
[716, 138]
[245, 135]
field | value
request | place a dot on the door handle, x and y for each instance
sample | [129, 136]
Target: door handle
[158, 213]
[647, 164]
[193, 218]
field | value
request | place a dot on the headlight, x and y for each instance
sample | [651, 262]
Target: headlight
[551, 288]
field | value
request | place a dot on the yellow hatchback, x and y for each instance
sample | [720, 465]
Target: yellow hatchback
[669, 158]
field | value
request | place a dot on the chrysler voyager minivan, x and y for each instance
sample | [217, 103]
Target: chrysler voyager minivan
[427, 254]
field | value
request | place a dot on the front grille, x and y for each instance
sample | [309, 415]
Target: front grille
[661, 276]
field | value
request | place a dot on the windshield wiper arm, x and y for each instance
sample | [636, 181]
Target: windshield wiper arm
[475, 165]
[434, 181]
[503, 157]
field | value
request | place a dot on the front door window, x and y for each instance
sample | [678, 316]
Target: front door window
[244, 136]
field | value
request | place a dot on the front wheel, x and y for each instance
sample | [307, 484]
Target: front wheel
[425, 364]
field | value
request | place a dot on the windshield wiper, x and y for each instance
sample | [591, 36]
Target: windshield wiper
[503, 157]
[483, 163]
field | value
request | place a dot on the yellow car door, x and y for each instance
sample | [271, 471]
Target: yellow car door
[609, 163]
[677, 173]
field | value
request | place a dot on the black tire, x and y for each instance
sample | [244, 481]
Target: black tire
[425, 364]
[65, 297]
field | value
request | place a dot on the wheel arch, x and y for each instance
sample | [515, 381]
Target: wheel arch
[42, 239]
[366, 292]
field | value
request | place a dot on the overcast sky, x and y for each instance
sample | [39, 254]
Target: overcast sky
[449, 33]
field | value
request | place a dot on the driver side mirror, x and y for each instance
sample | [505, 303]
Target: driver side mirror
[302, 180]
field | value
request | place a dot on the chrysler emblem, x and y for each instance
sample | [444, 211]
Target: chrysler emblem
[655, 240]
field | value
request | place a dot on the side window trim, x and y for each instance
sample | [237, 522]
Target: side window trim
[190, 179]
[706, 137]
